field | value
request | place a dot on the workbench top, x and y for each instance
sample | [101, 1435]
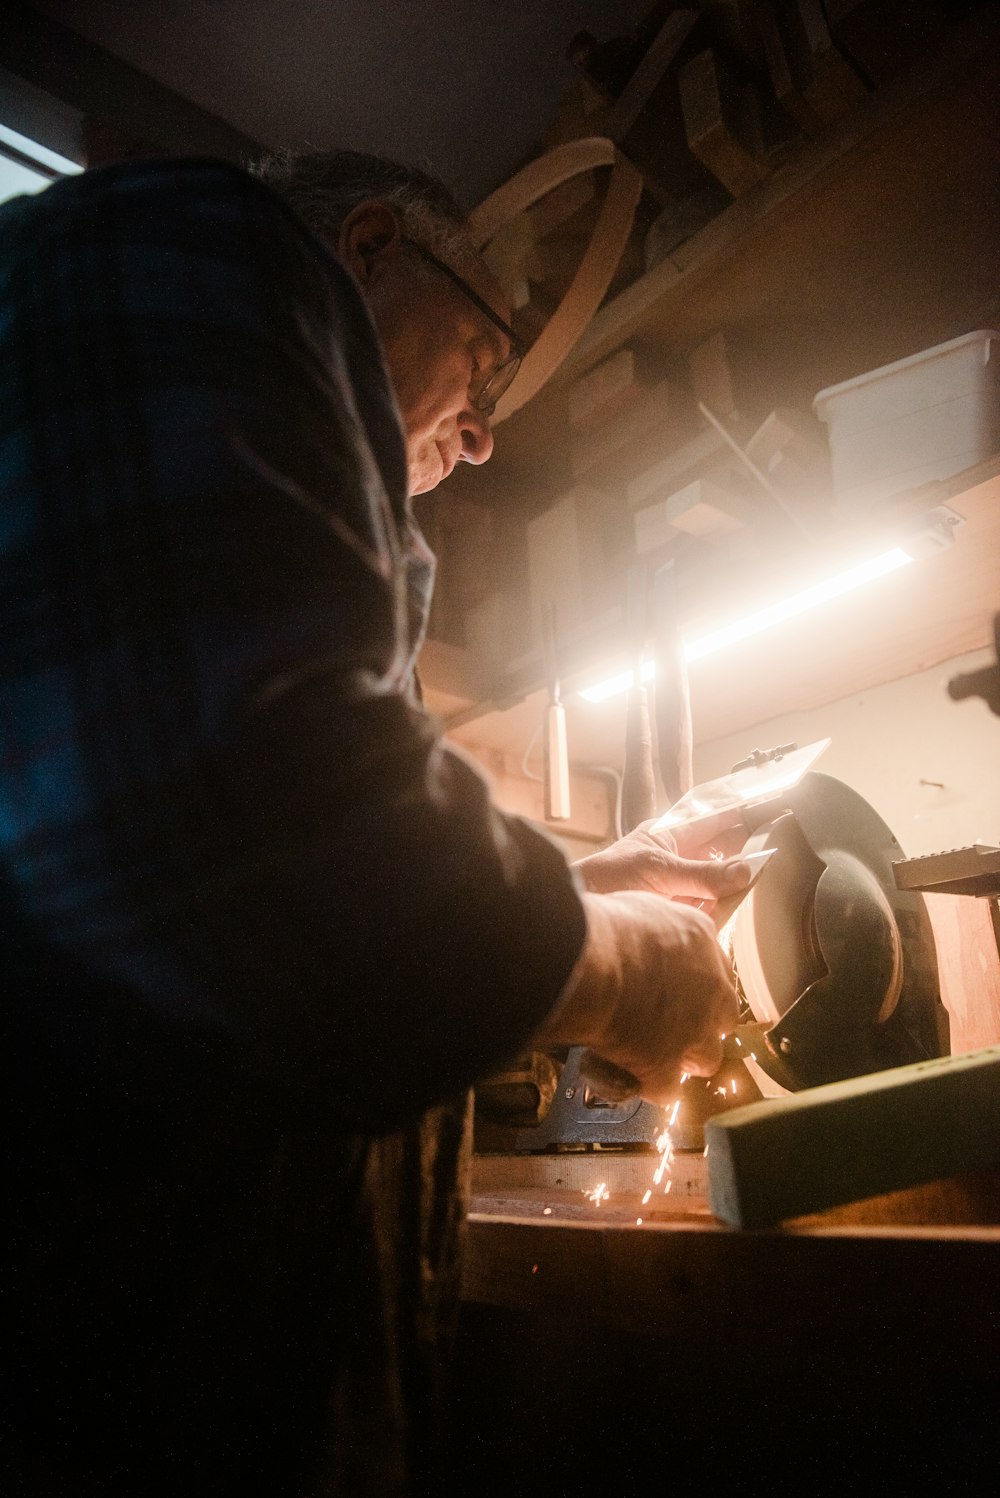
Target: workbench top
[838, 1349]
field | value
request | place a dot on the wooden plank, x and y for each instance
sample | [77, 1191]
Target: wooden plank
[586, 291]
[712, 380]
[603, 391]
[452, 678]
[779, 69]
[518, 788]
[828, 82]
[660, 409]
[690, 1278]
[555, 1188]
[555, 567]
[966, 939]
[644, 81]
[532, 182]
[799, 1362]
[711, 133]
[703, 507]
[683, 466]
[782, 1158]
[561, 204]
[568, 1184]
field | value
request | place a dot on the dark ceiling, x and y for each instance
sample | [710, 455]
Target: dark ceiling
[465, 88]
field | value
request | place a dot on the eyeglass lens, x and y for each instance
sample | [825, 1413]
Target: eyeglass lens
[500, 380]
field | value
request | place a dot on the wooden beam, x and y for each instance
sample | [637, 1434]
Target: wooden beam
[655, 61]
[712, 134]
[784, 1157]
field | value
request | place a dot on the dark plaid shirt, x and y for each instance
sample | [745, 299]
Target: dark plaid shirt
[249, 895]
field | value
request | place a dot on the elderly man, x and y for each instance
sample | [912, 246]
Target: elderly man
[264, 931]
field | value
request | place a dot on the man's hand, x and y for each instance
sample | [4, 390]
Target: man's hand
[646, 860]
[652, 994]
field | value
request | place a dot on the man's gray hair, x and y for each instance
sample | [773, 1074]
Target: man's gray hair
[323, 187]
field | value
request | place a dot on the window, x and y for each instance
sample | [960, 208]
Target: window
[25, 166]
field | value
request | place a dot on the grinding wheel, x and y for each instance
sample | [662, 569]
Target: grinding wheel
[831, 956]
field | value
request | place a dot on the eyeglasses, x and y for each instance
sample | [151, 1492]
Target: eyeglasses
[499, 381]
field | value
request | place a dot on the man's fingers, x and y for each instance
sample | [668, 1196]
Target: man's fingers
[708, 878]
[704, 1059]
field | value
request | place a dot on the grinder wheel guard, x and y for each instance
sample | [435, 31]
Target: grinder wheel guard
[836, 962]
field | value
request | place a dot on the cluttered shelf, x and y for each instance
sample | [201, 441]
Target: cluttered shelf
[817, 237]
[863, 245]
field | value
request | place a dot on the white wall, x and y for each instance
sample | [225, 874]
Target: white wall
[929, 766]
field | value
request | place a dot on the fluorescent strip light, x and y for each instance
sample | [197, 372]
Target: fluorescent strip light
[764, 619]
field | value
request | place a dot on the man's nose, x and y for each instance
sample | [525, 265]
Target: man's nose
[477, 439]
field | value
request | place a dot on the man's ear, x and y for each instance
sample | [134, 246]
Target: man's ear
[370, 237]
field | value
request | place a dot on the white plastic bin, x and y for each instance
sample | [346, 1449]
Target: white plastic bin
[922, 418]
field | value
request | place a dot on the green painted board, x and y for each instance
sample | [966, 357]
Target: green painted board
[825, 1146]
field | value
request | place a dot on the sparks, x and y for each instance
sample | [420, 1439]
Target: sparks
[646, 1195]
[665, 1148]
[599, 1194]
[546, 1211]
[664, 1145]
[673, 1114]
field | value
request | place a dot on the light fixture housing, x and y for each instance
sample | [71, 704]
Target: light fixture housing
[929, 533]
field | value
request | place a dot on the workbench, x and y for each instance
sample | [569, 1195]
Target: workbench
[608, 1334]
[851, 1347]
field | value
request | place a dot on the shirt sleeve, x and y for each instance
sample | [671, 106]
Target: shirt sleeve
[220, 799]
